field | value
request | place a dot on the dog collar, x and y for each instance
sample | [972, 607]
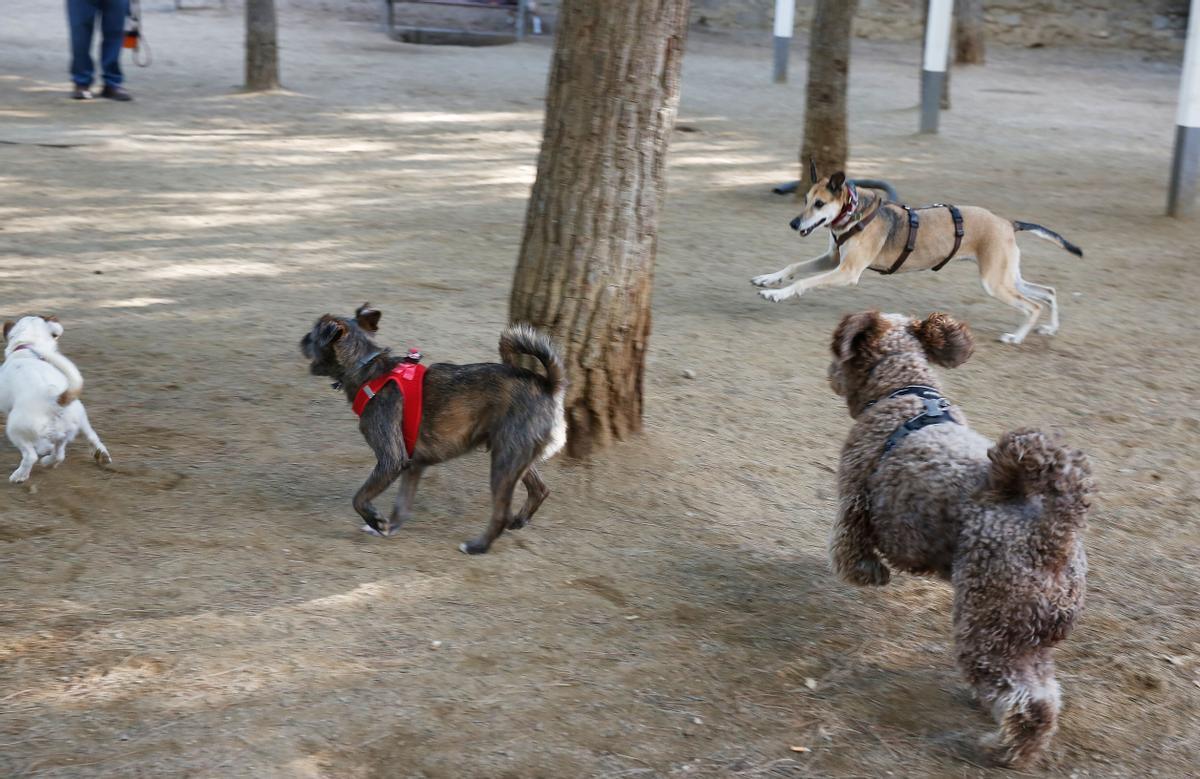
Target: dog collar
[21, 347]
[847, 211]
[937, 411]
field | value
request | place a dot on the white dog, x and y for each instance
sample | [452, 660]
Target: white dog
[39, 393]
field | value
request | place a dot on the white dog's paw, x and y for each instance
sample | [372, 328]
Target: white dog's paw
[18, 476]
[48, 459]
[1011, 338]
[776, 295]
[101, 456]
[1047, 329]
[768, 279]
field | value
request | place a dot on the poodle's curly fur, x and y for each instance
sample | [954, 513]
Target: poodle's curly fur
[1003, 523]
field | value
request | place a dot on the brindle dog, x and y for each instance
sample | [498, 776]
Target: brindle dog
[516, 413]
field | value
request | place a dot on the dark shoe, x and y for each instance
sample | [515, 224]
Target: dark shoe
[116, 93]
[81, 93]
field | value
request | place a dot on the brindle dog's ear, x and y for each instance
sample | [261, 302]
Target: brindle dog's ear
[329, 331]
[857, 335]
[836, 181]
[8, 325]
[812, 170]
[947, 343]
[367, 317]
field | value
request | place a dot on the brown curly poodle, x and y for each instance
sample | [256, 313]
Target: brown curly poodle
[1002, 522]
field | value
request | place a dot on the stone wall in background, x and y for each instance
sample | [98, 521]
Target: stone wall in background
[1152, 25]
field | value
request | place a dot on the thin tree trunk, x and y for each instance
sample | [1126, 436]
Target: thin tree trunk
[944, 102]
[591, 228]
[825, 103]
[262, 49]
[968, 32]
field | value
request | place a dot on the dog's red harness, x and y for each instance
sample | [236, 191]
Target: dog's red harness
[410, 380]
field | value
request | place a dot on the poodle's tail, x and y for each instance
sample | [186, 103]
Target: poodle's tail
[74, 378]
[1027, 464]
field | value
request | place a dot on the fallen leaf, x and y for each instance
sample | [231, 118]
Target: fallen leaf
[801, 749]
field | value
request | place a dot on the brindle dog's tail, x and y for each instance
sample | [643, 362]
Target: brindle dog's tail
[523, 339]
[1048, 235]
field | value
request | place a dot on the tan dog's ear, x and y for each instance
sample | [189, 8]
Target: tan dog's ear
[947, 343]
[8, 325]
[836, 181]
[368, 318]
[857, 335]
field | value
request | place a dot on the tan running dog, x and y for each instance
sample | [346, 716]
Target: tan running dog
[868, 232]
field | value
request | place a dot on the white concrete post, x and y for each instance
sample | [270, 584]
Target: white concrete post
[1181, 199]
[937, 55]
[785, 22]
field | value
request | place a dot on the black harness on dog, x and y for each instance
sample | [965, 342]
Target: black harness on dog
[936, 412]
[914, 224]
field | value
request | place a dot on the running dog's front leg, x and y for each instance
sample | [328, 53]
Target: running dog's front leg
[827, 261]
[843, 276]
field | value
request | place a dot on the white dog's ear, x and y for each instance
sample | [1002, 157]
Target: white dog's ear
[858, 335]
[55, 328]
[8, 325]
[947, 343]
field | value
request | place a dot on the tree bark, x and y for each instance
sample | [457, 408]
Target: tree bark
[968, 32]
[262, 48]
[825, 102]
[591, 228]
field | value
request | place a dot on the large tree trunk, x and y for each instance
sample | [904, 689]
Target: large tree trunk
[262, 50]
[591, 228]
[968, 32]
[825, 102]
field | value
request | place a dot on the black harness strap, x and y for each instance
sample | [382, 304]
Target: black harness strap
[914, 223]
[956, 215]
[937, 411]
[858, 227]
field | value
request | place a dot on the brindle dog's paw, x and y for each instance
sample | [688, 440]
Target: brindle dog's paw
[518, 522]
[385, 533]
[868, 573]
[474, 546]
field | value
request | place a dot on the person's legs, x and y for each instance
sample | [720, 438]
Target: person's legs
[112, 28]
[81, 18]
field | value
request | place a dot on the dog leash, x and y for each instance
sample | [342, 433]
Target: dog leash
[134, 40]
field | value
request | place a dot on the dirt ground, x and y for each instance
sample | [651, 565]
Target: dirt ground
[207, 606]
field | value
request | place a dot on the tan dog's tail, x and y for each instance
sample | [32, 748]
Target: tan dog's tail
[523, 339]
[1047, 234]
[1027, 464]
[74, 379]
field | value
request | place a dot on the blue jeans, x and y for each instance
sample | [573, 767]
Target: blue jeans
[81, 15]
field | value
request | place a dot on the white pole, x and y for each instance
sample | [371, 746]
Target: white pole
[1181, 198]
[937, 54]
[785, 22]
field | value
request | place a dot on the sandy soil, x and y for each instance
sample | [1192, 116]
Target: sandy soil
[207, 607]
